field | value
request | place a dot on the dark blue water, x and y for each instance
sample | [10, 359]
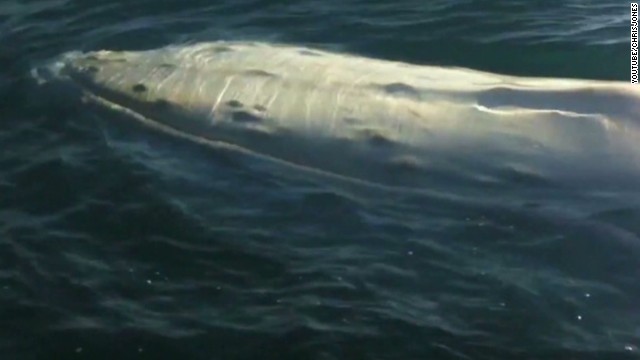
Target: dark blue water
[120, 244]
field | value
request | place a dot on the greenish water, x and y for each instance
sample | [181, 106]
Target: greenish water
[120, 244]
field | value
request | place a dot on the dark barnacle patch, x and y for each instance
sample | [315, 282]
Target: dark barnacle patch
[167, 66]
[309, 53]
[92, 69]
[401, 89]
[139, 88]
[96, 58]
[257, 72]
[222, 49]
[234, 103]
[245, 117]
[376, 138]
[260, 108]
[352, 121]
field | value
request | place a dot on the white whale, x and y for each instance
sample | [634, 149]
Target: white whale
[386, 122]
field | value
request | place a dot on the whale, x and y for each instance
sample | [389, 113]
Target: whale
[382, 121]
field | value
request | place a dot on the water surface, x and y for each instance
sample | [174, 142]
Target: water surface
[118, 243]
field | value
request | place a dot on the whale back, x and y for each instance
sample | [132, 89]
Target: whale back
[375, 119]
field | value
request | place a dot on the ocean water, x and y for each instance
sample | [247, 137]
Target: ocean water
[117, 243]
